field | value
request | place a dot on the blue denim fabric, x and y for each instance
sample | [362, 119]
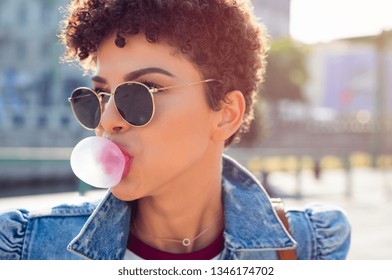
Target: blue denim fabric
[252, 228]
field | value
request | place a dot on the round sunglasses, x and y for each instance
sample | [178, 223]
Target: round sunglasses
[134, 101]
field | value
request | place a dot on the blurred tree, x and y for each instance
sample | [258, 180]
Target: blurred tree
[285, 76]
[286, 71]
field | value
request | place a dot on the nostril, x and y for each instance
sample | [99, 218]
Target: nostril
[117, 129]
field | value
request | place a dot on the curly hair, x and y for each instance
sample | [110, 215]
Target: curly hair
[220, 37]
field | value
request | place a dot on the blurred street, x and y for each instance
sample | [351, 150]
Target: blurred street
[369, 207]
[368, 204]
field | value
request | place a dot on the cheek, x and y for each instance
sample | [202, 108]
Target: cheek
[188, 121]
[181, 128]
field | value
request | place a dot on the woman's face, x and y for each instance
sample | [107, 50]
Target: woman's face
[170, 150]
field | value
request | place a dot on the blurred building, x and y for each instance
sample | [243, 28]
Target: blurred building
[34, 85]
[275, 14]
[350, 76]
[30, 72]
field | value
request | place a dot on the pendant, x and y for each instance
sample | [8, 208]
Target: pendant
[186, 242]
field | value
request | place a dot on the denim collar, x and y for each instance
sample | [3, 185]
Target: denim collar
[250, 221]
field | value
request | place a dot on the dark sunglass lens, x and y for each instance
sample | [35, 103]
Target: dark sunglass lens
[86, 107]
[134, 103]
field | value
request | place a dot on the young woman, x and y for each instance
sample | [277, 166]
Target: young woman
[173, 84]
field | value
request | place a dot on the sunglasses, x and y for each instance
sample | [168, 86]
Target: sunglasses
[134, 102]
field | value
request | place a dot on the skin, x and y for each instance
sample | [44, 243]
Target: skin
[176, 167]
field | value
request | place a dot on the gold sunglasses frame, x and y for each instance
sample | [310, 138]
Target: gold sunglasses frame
[151, 91]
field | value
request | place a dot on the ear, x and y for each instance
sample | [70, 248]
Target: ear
[230, 116]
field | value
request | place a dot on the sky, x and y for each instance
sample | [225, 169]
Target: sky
[313, 21]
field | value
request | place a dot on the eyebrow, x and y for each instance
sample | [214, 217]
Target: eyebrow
[136, 74]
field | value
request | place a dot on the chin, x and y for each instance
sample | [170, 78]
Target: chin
[124, 193]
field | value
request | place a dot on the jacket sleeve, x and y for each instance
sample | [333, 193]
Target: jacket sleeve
[13, 226]
[322, 232]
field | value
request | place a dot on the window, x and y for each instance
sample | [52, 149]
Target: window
[46, 11]
[21, 50]
[22, 14]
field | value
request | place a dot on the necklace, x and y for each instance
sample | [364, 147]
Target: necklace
[185, 241]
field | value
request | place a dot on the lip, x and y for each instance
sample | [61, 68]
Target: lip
[128, 159]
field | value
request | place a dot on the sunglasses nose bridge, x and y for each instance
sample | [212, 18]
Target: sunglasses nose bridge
[101, 101]
[101, 94]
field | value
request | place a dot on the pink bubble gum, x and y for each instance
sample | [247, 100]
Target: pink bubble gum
[98, 162]
[109, 159]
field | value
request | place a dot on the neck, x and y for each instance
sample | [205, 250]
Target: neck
[191, 209]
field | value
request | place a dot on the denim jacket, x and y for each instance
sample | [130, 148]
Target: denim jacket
[252, 228]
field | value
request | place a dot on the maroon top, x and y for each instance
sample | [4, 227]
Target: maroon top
[147, 252]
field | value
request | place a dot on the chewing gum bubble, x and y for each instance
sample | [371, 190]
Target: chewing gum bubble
[98, 162]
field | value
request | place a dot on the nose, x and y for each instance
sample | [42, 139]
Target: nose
[111, 120]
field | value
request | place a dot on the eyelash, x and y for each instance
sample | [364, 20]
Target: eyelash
[150, 85]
